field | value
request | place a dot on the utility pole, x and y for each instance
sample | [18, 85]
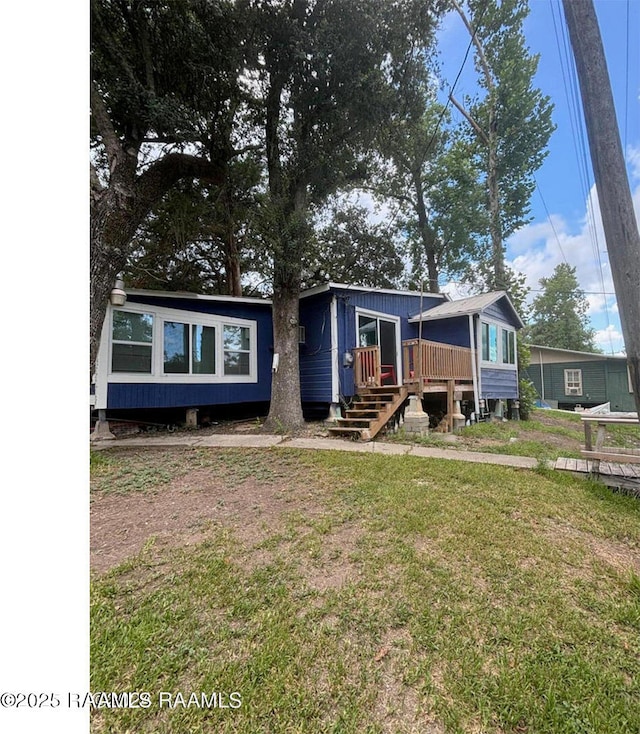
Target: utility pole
[612, 184]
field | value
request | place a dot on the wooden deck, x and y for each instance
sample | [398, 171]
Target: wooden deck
[427, 367]
[613, 474]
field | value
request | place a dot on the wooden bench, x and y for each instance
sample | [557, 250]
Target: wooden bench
[599, 452]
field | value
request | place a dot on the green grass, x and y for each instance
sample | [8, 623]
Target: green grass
[149, 469]
[562, 436]
[476, 598]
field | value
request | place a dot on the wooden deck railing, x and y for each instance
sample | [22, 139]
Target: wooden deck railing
[435, 361]
[367, 366]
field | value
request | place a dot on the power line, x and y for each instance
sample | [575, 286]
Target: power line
[572, 94]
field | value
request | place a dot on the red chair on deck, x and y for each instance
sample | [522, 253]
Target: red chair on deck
[388, 372]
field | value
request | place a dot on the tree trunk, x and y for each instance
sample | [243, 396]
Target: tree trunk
[231, 249]
[111, 230]
[427, 235]
[285, 412]
[232, 267]
[495, 225]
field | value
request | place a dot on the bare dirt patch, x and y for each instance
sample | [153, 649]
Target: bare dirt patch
[187, 508]
[615, 554]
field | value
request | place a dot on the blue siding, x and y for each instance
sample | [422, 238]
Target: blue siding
[498, 383]
[159, 395]
[315, 353]
[174, 395]
[454, 331]
[500, 311]
[392, 304]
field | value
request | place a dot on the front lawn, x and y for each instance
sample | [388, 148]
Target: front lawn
[338, 592]
[546, 436]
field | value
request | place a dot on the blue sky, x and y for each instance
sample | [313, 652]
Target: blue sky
[566, 225]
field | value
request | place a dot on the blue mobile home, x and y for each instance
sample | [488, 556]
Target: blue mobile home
[179, 350]
[337, 318]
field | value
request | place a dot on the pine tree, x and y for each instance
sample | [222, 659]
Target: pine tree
[559, 313]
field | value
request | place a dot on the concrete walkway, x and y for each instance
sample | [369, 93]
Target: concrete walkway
[221, 440]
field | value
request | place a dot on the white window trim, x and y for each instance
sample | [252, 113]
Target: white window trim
[501, 326]
[566, 383]
[160, 315]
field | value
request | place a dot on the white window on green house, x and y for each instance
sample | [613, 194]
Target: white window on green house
[132, 342]
[237, 350]
[573, 382]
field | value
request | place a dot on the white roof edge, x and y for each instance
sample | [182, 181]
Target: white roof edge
[195, 296]
[575, 351]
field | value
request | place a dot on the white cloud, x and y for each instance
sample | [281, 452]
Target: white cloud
[537, 248]
[610, 340]
[633, 159]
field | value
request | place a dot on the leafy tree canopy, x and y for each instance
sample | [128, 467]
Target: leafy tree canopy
[350, 249]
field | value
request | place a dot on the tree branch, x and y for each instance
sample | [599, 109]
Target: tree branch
[105, 126]
[479, 131]
[165, 172]
[477, 44]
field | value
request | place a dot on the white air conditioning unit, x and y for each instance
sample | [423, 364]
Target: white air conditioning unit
[574, 391]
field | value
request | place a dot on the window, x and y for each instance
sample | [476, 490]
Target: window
[508, 347]
[149, 343]
[498, 345]
[189, 349]
[489, 342]
[573, 382]
[237, 350]
[132, 342]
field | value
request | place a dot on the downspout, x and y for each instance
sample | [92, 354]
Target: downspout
[335, 351]
[474, 366]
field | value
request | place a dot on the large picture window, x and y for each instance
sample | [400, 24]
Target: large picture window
[132, 342]
[189, 349]
[179, 346]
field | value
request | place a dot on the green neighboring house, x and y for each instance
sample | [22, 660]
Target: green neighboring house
[564, 379]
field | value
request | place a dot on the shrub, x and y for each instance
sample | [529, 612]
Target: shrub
[528, 397]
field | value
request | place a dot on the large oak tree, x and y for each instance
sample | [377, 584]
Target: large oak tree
[329, 78]
[164, 94]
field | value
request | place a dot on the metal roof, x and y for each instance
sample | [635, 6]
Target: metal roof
[465, 306]
[601, 355]
[366, 289]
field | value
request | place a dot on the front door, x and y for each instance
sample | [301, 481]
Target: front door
[378, 331]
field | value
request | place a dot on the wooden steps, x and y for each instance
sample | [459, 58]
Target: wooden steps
[371, 411]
